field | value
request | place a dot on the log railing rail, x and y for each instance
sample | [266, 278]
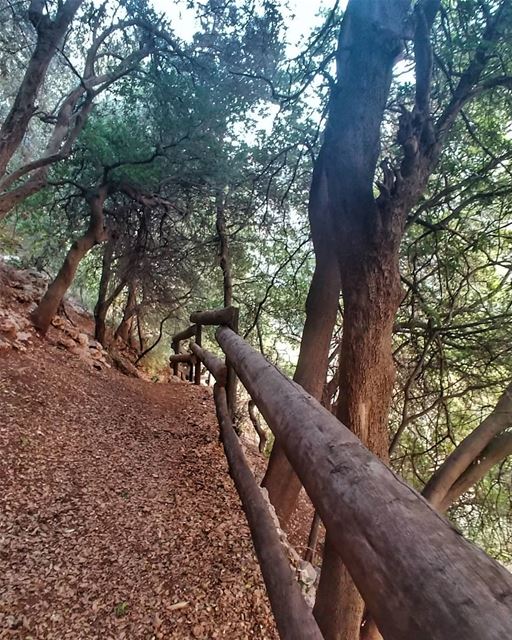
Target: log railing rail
[418, 576]
[227, 316]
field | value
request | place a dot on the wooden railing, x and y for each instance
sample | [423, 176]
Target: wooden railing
[418, 576]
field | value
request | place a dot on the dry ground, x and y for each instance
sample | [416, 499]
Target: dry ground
[118, 519]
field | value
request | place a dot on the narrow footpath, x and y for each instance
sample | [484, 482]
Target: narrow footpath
[118, 519]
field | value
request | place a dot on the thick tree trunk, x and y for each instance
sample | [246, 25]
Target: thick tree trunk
[368, 231]
[371, 296]
[337, 598]
[43, 315]
[322, 302]
[367, 245]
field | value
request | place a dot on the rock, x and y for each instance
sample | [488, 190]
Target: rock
[67, 343]
[294, 557]
[94, 344]
[307, 573]
[83, 339]
[9, 326]
[24, 296]
[71, 331]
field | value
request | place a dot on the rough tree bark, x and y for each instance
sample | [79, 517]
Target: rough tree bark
[96, 233]
[368, 230]
[280, 480]
[368, 240]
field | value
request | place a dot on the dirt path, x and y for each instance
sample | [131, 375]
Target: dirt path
[118, 519]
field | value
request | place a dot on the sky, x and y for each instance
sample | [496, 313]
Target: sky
[301, 17]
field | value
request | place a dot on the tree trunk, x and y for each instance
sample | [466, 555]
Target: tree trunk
[280, 480]
[224, 258]
[70, 122]
[309, 555]
[227, 287]
[43, 315]
[124, 329]
[49, 35]
[367, 246]
[337, 598]
[138, 342]
[103, 303]
[251, 408]
[468, 452]
[371, 297]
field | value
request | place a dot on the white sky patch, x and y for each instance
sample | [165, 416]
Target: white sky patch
[300, 17]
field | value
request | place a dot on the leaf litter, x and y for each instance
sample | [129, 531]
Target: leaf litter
[118, 519]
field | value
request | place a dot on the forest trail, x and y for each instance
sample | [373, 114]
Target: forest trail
[118, 516]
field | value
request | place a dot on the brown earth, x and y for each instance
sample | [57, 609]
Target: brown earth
[118, 519]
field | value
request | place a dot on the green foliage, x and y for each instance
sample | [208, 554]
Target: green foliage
[121, 609]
